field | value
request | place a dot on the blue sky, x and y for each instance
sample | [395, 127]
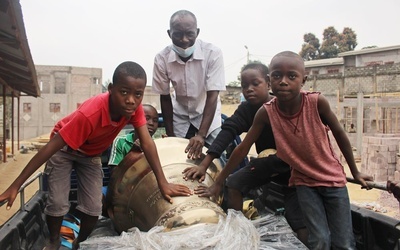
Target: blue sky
[102, 34]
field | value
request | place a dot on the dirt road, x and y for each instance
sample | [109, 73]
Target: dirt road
[8, 172]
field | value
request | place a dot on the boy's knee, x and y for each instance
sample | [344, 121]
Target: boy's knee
[57, 207]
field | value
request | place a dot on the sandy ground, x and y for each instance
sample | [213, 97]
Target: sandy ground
[8, 172]
[376, 200]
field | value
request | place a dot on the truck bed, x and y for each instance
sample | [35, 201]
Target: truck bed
[27, 228]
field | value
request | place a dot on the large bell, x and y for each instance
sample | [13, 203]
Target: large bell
[134, 199]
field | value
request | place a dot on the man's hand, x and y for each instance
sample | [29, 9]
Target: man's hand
[195, 147]
[175, 190]
[194, 173]
[212, 191]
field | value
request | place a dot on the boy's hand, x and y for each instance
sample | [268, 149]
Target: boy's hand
[175, 190]
[394, 188]
[362, 178]
[195, 147]
[212, 191]
[194, 172]
[9, 196]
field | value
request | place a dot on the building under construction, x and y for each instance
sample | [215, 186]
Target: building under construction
[363, 88]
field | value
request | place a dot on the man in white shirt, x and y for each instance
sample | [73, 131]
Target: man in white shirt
[196, 70]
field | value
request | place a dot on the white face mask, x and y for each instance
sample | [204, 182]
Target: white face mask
[183, 52]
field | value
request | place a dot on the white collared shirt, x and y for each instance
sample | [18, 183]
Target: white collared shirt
[203, 72]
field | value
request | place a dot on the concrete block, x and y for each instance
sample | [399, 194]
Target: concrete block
[373, 148]
[396, 175]
[383, 148]
[390, 141]
[375, 140]
[392, 157]
[394, 148]
[381, 175]
[377, 159]
[364, 168]
[384, 135]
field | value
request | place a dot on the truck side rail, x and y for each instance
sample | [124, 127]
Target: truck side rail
[21, 191]
[26, 229]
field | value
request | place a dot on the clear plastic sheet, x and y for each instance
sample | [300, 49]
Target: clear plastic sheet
[275, 233]
[232, 232]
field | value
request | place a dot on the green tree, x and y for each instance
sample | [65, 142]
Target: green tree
[348, 40]
[310, 47]
[332, 44]
[329, 46]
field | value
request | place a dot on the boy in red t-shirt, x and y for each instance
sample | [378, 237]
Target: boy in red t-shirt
[78, 140]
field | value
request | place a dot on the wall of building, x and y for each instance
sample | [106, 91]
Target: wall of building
[151, 98]
[380, 85]
[63, 89]
[372, 56]
[378, 58]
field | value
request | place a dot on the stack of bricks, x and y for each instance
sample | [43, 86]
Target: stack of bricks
[379, 156]
[336, 149]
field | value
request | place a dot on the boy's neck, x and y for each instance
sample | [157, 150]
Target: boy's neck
[114, 116]
[291, 107]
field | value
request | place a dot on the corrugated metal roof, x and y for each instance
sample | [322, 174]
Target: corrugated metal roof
[17, 69]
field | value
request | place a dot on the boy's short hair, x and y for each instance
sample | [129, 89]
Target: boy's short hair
[257, 66]
[150, 106]
[290, 54]
[129, 68]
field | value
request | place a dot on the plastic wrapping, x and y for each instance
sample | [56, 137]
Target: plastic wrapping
[233, 232]
[275, 233]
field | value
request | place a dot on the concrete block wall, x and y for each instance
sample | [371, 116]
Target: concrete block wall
[352, 138]
[354, 84]
[379, 156]
[327, 85]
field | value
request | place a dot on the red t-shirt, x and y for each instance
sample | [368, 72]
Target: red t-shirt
[89, 129]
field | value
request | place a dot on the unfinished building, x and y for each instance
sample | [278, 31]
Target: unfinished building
[363, 88]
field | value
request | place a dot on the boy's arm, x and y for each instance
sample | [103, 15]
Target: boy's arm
[55, 144]
[116, 154]
[237, 155]
[196, 143]
[150, 151]
[200, 170]
[232, 126]
[342, 140]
